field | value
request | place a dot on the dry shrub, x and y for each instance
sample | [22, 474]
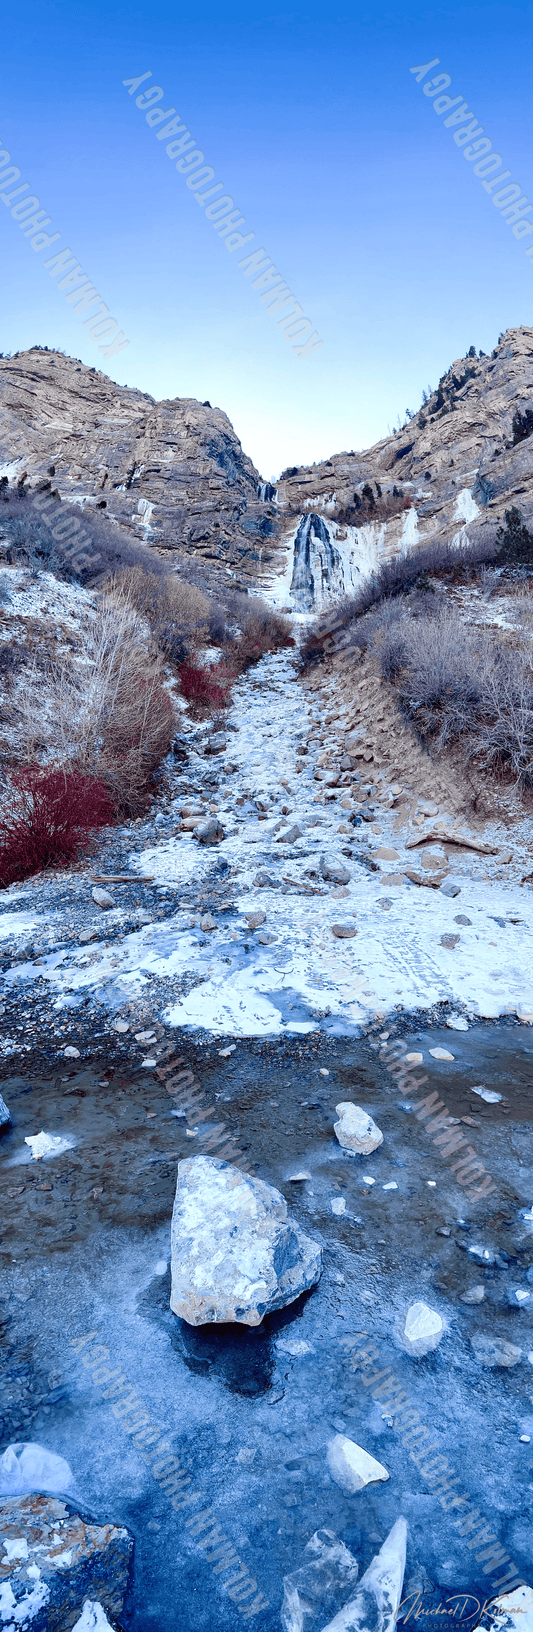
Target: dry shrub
[47, 816]
[205, 689]
[458, 683]
[110, 712]
[257, 629]
[178, 613]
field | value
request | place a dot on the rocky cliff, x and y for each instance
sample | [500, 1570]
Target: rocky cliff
[449, 474]
[172, 474]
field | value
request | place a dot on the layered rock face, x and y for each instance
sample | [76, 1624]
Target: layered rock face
[450, 474]
[172, 474]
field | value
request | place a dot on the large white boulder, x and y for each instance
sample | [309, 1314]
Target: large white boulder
[376, 1601]
[236, 1254]
[422, 1330]
[351, 1467]
[356, 1130]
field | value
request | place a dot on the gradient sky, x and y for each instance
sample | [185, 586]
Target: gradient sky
[311, 119]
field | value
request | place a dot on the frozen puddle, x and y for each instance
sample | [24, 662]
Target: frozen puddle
[304, 976]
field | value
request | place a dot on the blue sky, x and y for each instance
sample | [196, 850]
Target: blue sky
[314, 125]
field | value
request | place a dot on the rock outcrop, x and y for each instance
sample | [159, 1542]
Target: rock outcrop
[236, 1255]
[172, 474]
[53, 1560]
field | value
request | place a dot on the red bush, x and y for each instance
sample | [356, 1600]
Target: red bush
[200, 687]
[46, 818]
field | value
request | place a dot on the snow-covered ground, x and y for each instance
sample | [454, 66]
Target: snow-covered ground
[304, 975]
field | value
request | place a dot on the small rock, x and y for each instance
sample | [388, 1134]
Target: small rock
[456, 1022]
[351, 1467]
[225, 1052]
[495, 1351]
[443, 1230]
[93, 1618]
[188, 823]
[344, 932]
[462, 919]
[475, 1294]
[449, 888]
[422, 1331]
[298, 1178]
[150, 1060]
[386, 855]
[264, 938]
[290, 835]
[88, 935]
[427, 809]
[392, 1185]
[236, 1255]
[333, 872]
[338, 1205]
[322, 1071]
[5, 1115]
[121, 1025]
[254, 919]
[145, 1036]
[71, 1053]
[414, 1059]
[103, 898]
[512, 1610]
[393, 880]
[449, 941]
[519, 1298]
[487, 1094]
[210, 832]
[356, 1130]
[263, 881]
[216, 744]
[192, 810]
[207, 922]
[441, 1054]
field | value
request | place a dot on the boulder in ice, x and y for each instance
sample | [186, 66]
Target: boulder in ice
[236, 1254]
[356, 1130]
[351, 1467]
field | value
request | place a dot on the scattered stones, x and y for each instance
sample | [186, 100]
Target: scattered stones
[59, 1558]
[5, 1115]
[356, 1130]
[449, 941]
[290, 835]
[487, 1094]
[351, 1467]
[378, 1597]
[209, 832]
[254, 919]
[103, 899]
[441, 1054]
[449, 888]
[322, 1584]
[475, 1294]
[495, 1351]
[216, 744]
[344, 932]
[192, 810]
[88, 935]
[263, 881]
[235, 1253]
[207, 923]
